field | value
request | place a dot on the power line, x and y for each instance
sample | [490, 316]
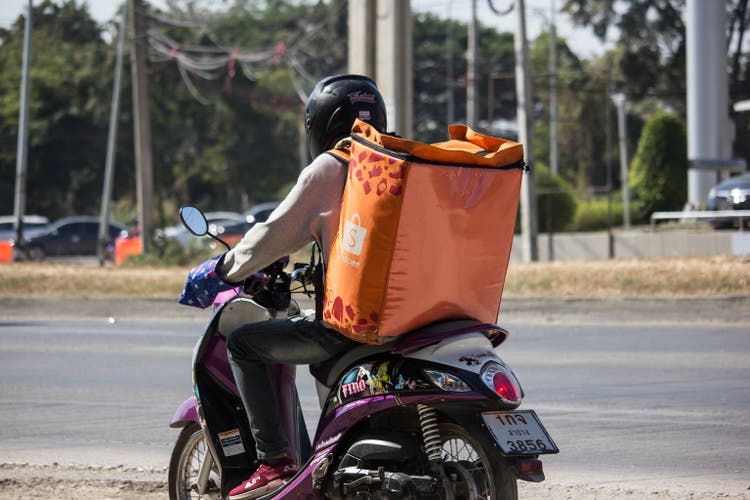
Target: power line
[213, 62]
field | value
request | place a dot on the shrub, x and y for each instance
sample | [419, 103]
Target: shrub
[593, 215]
[554, 200]
[658, 173]
[168, 252]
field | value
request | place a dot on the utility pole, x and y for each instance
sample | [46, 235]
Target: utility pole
[450, 103]
[393, 63]
[553, 91]
[141, 121]
[608, 162]
[380, 46]
[22, 151]
[709, 133]
[619, 100]
[362, 47]
[472, 105]
[111, 141]
[529, 248]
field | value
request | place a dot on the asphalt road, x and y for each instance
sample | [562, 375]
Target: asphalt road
[632, 397]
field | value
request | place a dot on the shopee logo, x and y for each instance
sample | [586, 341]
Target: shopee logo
[354, 235]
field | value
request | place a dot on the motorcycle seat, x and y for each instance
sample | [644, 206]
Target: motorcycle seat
[328, 372]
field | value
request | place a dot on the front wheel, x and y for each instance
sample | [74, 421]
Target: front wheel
[473, 470]
[188, 456]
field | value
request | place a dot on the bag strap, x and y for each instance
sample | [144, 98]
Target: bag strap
[318, 277]
[342, 150]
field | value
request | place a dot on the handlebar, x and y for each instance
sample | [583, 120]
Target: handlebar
[272, 286]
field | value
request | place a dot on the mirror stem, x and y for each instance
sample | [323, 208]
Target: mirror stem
[220, 241]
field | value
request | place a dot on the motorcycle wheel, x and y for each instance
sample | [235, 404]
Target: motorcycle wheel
[188, 454]
[474, 471]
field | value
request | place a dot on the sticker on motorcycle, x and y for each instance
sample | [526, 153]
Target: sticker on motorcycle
[231, 443]
[475, 359]
[371, 379]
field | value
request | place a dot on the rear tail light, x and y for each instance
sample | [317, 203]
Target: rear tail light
[501, 381]
[530, 469]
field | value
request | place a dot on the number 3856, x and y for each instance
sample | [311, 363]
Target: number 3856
[526, 445]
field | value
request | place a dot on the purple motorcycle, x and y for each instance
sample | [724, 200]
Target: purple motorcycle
[433, 414]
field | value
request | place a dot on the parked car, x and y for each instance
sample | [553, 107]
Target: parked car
[731, 194]
[31, 224]
[70, 236]
[181, 235]
[260, 212]
[234, 231]
[231, 232]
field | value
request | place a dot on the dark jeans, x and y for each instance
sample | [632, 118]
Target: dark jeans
[299, 341]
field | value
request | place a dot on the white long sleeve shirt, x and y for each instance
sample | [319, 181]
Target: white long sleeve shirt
[310, 212]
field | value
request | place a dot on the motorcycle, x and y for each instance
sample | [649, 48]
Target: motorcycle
[433, 414]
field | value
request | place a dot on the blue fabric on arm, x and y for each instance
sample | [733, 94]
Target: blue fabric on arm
[203, 284]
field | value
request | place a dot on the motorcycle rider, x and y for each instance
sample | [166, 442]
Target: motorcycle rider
[310, 212]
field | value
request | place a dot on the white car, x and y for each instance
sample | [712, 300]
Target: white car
[31, 224]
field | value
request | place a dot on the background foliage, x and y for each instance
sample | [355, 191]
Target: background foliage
[229, 137]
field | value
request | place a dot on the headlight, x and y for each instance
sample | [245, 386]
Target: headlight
[738, 196]
[712, 193]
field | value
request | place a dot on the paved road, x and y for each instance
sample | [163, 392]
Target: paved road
[655, 402]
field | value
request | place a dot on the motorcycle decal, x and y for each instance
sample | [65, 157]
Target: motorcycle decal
[353, 388]
[328, 442]
[231, 443]
[380, 379]
[475, 359]
[370, 379]
[402, 383]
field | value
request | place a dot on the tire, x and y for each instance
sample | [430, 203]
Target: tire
[187, 456]
[472, 467]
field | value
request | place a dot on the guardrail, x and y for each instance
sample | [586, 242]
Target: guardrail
[741, 215]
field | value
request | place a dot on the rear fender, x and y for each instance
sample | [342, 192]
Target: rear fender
[186, 413]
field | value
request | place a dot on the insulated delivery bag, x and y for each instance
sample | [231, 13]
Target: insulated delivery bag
[425, 232]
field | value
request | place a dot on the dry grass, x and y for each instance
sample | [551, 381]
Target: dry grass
[24, 279]
[709, 276]
[693, 276]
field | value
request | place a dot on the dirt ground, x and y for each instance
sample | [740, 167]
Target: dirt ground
[26, 482]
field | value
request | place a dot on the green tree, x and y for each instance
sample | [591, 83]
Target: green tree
[435, 42]
[658, 173]
[70, 89]
[651, 52]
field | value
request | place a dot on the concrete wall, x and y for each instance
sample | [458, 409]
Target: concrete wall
[639, 243]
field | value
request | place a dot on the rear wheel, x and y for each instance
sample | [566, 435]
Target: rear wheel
[188, 455]
[474, 473]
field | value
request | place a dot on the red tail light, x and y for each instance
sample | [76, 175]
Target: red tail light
[505, 387]
[502, 381]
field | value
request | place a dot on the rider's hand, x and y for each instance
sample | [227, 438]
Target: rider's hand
[203, 284]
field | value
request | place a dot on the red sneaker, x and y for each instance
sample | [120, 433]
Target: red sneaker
[264, 480]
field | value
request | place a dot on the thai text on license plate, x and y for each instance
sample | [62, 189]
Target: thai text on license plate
[519, 432]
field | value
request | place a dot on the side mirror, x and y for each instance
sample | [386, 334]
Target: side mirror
[194, 220]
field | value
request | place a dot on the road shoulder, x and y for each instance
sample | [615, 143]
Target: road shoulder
[717, 309]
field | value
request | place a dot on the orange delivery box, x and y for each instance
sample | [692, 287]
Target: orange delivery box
[425, 232]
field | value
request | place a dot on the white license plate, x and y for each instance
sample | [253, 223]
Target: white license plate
[519, 432]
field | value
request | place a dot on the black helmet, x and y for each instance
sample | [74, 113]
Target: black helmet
[334, 104]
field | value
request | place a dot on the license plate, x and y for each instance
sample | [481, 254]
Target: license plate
[519, 432]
